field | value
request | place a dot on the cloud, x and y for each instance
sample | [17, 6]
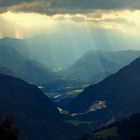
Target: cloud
[5, 3]
[24, 25]
[66, 6]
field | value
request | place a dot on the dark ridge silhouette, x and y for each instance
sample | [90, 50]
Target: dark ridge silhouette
[36, 115]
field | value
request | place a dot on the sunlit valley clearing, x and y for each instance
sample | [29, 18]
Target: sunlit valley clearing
[69, 74]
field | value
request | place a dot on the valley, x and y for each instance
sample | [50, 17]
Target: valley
[96, 91]
[69, 70]
[63, 95]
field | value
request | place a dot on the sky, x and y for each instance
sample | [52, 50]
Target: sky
[115, 19]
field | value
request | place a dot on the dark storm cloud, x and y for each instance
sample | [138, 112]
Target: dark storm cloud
[5, 3]
[97, 4]
[67, 6]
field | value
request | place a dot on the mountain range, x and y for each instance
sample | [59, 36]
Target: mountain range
[113, 93]
[19, 66]
[94, 66]
[33, 63]
[112, 99]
